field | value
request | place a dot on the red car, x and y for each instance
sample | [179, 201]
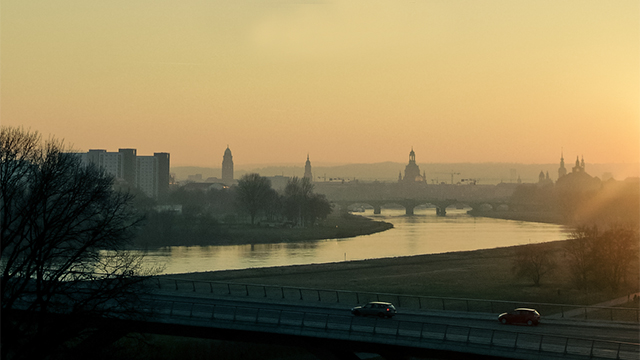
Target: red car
[520, 316]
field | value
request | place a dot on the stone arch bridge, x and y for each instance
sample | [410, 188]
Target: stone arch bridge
[377, 195]
[410, 204]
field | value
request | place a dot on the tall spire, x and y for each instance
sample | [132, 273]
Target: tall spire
[307, 169]
[562, 171]
[227, 167]
[579, 166]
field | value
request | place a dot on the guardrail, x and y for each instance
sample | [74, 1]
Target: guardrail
[405, 333]
[400, 300]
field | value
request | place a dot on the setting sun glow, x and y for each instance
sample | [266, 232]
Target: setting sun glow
[347, 82]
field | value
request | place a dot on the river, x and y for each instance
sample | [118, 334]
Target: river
[423, 233]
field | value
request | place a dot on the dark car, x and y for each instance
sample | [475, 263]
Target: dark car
[376, 308]
[520, 316]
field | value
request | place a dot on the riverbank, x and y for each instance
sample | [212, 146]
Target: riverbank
[480, 274]
[165, 230]
[333, 227]
[483, 274]
[531, 216]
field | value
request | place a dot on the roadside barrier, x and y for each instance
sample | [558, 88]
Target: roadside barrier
[400, 300]
[391, 331]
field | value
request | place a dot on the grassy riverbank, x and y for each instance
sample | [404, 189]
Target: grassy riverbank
[164, 230]
[333, 227]
[480, 274]
[548, 217]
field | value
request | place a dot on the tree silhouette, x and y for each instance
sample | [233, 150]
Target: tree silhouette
[63, 230]
[301, 204]
[254, 194]
[533, 262]
[614, 251]
[579, 250]
[601, 258]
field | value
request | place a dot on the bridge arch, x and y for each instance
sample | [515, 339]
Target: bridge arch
[489, 206]
[409, 205]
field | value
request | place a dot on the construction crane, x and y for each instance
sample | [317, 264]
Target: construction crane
[451, 173]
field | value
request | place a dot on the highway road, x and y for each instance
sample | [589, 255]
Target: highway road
[435, 320]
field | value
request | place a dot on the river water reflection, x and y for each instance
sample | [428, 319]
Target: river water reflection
[423, 233]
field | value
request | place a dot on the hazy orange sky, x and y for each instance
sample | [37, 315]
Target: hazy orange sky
[343, 81]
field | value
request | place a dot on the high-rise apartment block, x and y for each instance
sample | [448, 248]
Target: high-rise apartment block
[129, 164]
[164, 174]
[111, 162]
[149, 174]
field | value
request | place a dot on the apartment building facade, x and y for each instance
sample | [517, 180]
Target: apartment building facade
[149, 174]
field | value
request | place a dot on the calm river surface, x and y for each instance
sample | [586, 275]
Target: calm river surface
[423, 233]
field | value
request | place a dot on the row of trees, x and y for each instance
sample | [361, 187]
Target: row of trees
[166, 228]
[64, 233]
[298, 204]
[600, 258]
[253, 199]
[593, 258]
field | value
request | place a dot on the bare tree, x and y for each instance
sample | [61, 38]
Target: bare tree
[318, 208]
[254, 194]
[580, 254]
[614, 251]
[64, 232]
[601, 258]
[533, 262]
[301, 204]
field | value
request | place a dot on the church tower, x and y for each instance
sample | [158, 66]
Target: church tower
[307, 170]
[579, 165]
[412, 171]
[562, 171]
[227, 167]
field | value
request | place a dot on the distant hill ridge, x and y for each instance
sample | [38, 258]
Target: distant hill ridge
[483, 173]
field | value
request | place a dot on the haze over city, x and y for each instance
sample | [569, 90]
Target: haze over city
[356, 82]
[249, 179]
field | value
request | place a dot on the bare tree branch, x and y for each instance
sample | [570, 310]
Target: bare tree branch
[64, 236]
